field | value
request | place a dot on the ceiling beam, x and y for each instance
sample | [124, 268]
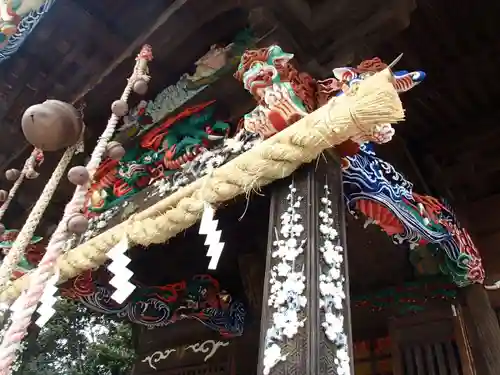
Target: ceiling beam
[133, 48]
[470, 133]
[130, 51]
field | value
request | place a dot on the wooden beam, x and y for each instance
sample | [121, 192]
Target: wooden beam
[164, 17]
[470, 133]
[107, 28]
[483, 215]
[130, 51]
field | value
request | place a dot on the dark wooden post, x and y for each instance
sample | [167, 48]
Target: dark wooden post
[483, 325]
[295, 335]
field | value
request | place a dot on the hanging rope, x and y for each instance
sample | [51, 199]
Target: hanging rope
[28, 229]
[29, 165]
[39, 279]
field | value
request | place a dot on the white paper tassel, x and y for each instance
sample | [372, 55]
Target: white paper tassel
[122, 275]
[208, 227]
[46, 309]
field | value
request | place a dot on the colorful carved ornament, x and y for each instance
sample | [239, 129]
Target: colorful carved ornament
[11, 13]
[200, 298]
[209, 348]
[163, 150]
[375, 189]
[219, 60]
[32, 255]
[408, 298]
[285, 95]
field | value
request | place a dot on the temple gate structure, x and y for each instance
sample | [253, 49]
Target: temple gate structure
[254, 205]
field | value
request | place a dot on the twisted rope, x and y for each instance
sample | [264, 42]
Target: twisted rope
[28, 230]
[28, 166]
[376, 102]
[39, 279]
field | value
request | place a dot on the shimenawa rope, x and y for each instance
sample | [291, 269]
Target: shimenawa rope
[29, 299]
[376, 102]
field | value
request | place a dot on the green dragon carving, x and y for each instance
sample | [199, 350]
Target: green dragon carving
[162, 151]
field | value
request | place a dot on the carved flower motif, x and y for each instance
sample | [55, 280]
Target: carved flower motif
[287, 284]
[331, 285]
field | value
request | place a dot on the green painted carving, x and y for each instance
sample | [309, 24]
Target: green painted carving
[32, 255]
[408, 298]
[162, 151]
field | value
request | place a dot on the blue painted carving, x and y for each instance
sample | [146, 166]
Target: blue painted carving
[199, 298]
[24, 29]
[377, 190]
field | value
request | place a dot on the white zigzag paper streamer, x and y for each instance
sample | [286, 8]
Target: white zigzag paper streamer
[122, 275]
[46, 309]
[208, 227]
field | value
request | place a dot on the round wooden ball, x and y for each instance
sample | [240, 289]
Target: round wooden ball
[4, 194]
[77, 224]
[12, 174]
[119, 108]
[2, 229]
[78, 175]
[32, 174]
[52, 125]
[115, 150]
[140, 87]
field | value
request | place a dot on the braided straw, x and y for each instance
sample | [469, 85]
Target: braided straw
[21, 318]
[376, 102]
[28, 166]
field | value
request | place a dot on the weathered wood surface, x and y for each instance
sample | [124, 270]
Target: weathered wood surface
[309, 352]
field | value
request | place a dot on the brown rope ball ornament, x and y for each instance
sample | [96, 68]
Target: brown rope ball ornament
[77, 224]
[140, 87]
[52, 125]
[119, 108]
[12, 174]
[32, 174]
[78, 175]
[4, 194]
[115, 150]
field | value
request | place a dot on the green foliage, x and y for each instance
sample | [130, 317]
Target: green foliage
[77, 342]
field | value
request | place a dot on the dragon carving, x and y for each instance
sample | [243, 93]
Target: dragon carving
[31, 257]
[200, 298]
[284, 95]
[162, 150]
[374, 188]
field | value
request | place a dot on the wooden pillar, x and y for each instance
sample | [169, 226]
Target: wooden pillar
[482, 324]
[306, 283]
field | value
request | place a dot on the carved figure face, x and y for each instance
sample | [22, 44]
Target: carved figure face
[258, 77]
[259, 69]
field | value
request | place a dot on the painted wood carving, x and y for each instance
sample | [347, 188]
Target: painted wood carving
[162, 151]
[201, 298]
[17, 19]
[207, 349]
[32, 256]
[374, 188]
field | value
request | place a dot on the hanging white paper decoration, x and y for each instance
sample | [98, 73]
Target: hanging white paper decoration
[122, 275]
[46, 309]
[208, 227]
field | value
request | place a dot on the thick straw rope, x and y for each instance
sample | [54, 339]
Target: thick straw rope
[28, 166]
[376, 102]
[28, 230]
[21, 318]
